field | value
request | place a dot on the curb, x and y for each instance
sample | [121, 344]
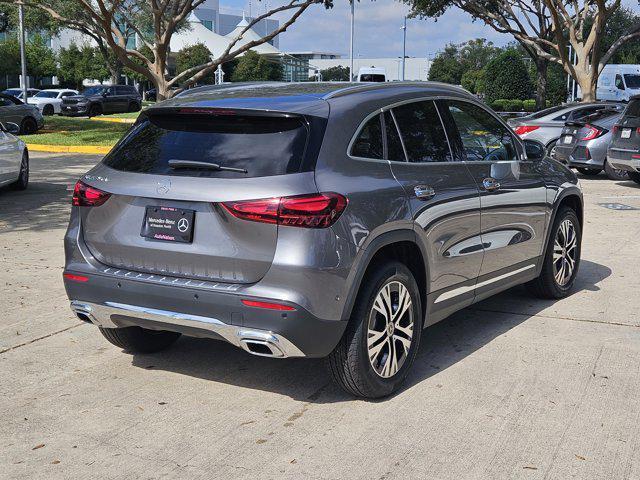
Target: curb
[96, 150]
[113, 120]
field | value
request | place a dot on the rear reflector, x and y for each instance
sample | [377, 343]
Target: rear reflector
[267, 305]
[522, 129]
[86, 196]
[75, 278]
[636, 155]
[317, 210]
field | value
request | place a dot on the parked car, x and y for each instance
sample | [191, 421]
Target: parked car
[624, 150]
[584, 143]
[49, 101]
[14, 157]
[315, 220]
[618, 82]
[102, 100]
[546, 125]
[28, 117]
[18, 93]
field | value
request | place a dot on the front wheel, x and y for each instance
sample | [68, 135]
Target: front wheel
[28, 126]
[138, 339]
[23, 179]
[95, 110]
[635, 176]
[615, 173]
[381, 342]
[561, 259]
[590, 172]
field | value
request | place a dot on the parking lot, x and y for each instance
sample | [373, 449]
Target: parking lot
[512, 387]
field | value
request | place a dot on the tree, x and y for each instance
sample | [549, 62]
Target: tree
[509, 78]
[79, 63]
[153, 23]
[252, 67]
[335, 74]
[446, 67]
[41, 60]
[546, 28]
[621, 21]
[192, 56]
[474, 81]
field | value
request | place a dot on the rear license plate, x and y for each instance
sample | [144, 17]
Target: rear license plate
[626, 133]
[168, 224]
[567, 139]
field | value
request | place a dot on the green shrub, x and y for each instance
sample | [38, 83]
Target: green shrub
[507, 77]
[529, 105]
[514, 105]
[499, 105]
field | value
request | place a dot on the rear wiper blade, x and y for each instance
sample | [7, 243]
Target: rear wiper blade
[204, 166]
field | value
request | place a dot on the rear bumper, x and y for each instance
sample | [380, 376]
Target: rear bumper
[623, 160]
[112, 301]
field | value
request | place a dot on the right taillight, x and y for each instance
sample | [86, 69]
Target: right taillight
[522, 129]
[317, 210]
[87, 196]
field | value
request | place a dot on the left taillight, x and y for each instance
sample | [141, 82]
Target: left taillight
[318, 210]
[87, 196]
[593, 132]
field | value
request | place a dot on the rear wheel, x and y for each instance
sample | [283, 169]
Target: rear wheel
[615, 173]
[561, 259]
[635, 176]
[590, 172]
[551, 149]
[381, 342]
[48, 110]
[138, 339]
[23, 178]
[28, 126]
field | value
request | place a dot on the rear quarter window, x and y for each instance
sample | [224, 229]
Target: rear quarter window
[633, 109]
[263, 145]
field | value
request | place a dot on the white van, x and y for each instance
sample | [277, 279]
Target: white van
[618, 82]
[372, 74]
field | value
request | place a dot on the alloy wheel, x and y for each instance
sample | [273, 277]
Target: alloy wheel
[565, 252]
[390, 329]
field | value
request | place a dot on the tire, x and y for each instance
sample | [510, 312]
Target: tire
[547, 285]
[95, 110]
[635, 176]
[349, 363]
[48, 110]
[134, 107]
[138, 339]
[551, 149]
[614, 173]
[590, 172]
[23, 179]
[28, 126]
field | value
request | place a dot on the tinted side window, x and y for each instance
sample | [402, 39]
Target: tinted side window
[583, 112]
[422, 132]
[483, 137]
[122, 90]
[4, 102]
[394, 145]
[633, 109]
[368, 144]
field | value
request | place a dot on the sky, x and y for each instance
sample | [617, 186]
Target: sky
[378, 30]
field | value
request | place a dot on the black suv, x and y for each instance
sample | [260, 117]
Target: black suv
[101, 100]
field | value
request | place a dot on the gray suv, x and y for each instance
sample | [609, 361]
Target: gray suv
[316, 220]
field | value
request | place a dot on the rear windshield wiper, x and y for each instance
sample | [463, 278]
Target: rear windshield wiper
[204, 166]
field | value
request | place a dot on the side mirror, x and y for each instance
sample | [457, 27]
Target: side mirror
[534, 149]
[11, 128]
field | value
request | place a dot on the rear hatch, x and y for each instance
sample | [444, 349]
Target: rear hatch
[626, 136]
[166, 213]
[576, 133]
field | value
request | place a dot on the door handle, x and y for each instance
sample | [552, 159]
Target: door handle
[424, 192]
[490, 184]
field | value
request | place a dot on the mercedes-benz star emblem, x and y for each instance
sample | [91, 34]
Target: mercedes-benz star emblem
[163, 187]
[183, 225]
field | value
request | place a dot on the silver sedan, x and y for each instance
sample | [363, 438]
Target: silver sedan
[14, 158]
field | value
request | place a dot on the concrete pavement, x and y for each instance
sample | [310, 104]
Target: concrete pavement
[513, 387]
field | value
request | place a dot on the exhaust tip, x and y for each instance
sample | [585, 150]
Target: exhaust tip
[261, 348]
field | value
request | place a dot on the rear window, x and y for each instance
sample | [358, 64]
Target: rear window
[633, 109]
[263, 145]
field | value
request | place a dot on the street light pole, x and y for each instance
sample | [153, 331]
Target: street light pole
[353, 2]
[404, 45]
[23, 55]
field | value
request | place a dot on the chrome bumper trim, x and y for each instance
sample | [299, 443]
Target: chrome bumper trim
[245, 338]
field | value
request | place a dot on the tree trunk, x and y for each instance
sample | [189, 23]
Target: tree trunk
[542, 68]
[588, 81]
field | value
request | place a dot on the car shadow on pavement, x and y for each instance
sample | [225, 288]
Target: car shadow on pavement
[43, 206]
[443, 345]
